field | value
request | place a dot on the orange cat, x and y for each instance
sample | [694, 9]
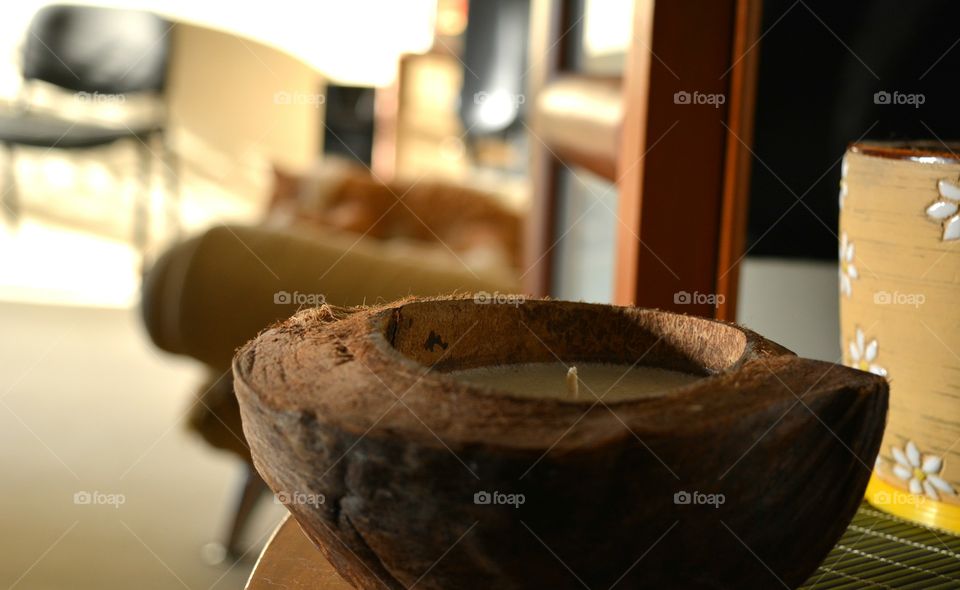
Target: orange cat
[470, 223]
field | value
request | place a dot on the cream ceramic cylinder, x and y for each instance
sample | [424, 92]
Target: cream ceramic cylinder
[900, 317]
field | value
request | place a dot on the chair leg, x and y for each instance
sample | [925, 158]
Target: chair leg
[141, 208]
[172, 177]
[253, 489]
[10, 199]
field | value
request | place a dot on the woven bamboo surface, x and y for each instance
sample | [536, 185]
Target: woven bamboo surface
[877, 551]
[883, 551]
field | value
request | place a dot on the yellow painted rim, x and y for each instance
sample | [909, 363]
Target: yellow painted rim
[907, 506]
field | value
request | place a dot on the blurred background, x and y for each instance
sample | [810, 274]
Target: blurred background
[177, 175]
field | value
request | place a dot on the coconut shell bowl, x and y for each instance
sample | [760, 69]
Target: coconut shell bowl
[406, 472]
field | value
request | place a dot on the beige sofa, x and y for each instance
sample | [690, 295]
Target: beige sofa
[210, 294]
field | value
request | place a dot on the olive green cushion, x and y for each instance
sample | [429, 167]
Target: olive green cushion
[210, 294]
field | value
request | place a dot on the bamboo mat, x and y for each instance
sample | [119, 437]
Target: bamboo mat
[883, 551]
[877, 551]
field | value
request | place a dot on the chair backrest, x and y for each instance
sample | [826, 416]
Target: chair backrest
[93, 49]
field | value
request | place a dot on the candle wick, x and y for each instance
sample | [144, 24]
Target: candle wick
[573, 385]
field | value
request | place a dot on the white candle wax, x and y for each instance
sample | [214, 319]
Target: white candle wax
[577, 382]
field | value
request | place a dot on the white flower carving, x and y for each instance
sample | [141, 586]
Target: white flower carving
[944, 209]
[848, 270]
[863, 355]
[920, 471]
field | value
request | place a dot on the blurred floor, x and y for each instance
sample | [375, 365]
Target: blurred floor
[86, 405]
[73, 244]
[46, 263]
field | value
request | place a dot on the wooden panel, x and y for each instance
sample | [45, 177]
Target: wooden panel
[546, 58]
[428, 129]
[633, 146]
[677, 155]
[736, 189]
[291, 561]
[682, 167]
[578, 118]
[386, 112]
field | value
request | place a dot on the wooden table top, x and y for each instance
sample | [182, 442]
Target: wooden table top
[291, 561]
[878, 550]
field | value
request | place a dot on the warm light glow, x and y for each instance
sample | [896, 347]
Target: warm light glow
[451, 17]
[42, 263]
[497, 109]
[356, 43]
[58, 172]
[607, 27]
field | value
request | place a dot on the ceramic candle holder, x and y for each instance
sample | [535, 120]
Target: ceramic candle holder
[405, 476]
[900, 287]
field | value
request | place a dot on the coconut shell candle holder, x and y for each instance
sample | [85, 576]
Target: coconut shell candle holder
[405, 471]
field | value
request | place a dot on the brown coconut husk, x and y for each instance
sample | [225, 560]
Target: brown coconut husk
[354, 405]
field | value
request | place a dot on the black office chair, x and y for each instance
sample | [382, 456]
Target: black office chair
[94, 52]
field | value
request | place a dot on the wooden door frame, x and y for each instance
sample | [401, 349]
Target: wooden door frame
[682, 169]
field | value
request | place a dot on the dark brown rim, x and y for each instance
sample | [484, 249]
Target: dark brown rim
[753, 346]
[348, 395]
[918, 151]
